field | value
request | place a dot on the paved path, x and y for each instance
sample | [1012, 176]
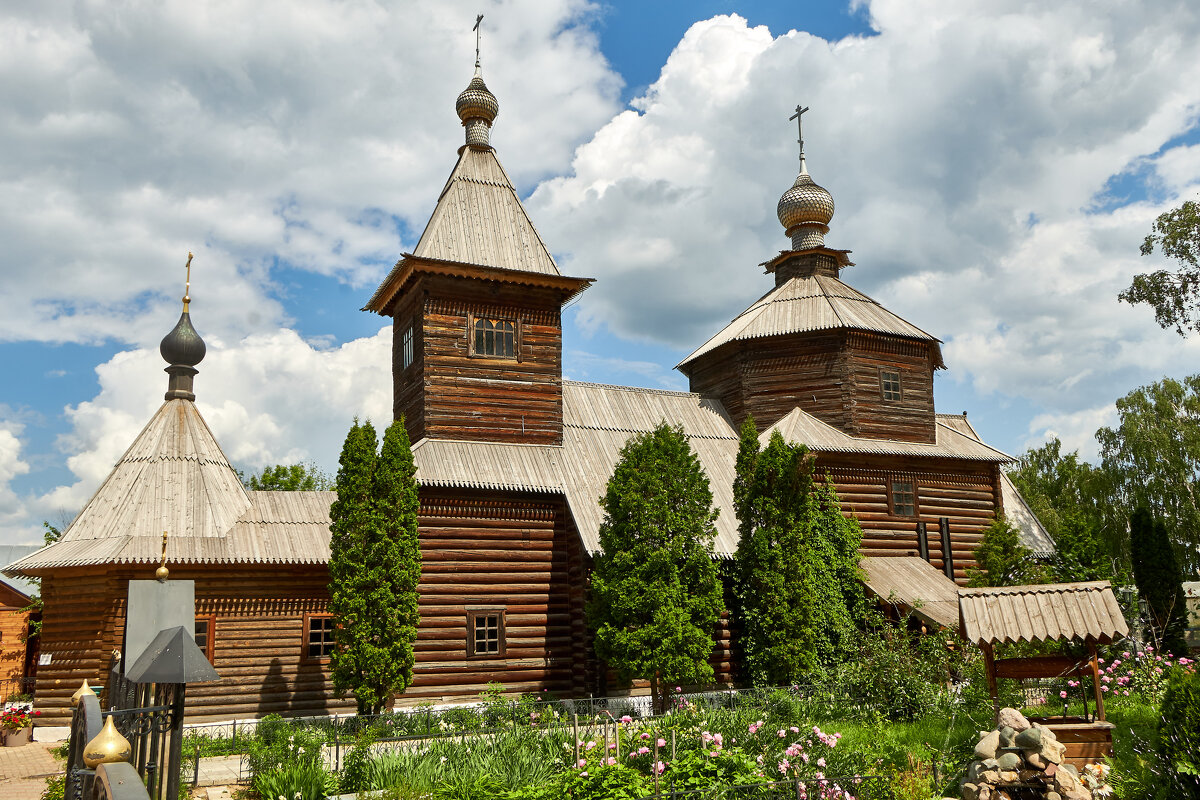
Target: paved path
[23, 770]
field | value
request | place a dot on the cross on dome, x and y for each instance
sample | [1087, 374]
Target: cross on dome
[805, 209]
[476, 106]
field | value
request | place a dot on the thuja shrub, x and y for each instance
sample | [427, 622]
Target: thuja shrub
[1179, 733]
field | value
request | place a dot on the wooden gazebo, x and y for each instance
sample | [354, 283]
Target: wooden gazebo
[1086, 613]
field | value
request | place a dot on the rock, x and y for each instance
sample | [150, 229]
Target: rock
[1029, 739]
[1051, 768]
[1006, 736]
[990, 763]
[973, 771]
[988, 743]
[1008, 762]
[1078, 793]
[1010, 776]
[1071, 768]
[1064, 781]
[1053, 796]
[1011, 718]
[1035, 759]
[989, 776]
[985, 793]
[970, 791]
[1052, 750]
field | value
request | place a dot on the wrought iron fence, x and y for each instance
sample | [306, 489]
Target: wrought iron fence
[16, 687]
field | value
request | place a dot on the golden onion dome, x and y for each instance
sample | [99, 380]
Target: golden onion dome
[476, 102]
[805, 203]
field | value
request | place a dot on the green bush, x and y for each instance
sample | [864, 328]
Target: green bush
[279, 743]
[56, 787]
[616, 782]
[1179, 733]
[897, 675]
[295, 782]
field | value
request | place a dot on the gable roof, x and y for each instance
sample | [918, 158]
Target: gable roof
[800, 427]
[1045, 613]
[597, 421]
[813, 303]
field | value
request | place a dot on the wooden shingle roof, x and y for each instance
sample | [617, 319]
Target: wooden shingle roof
[914, 584]
[814, 303]
[1081, 612]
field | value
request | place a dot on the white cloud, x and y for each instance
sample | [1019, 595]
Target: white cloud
[268, 398]
[11, 465]
[969, 148]
[306, 132]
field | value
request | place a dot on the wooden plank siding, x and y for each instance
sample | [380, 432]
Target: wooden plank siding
[14, 622]
[451, 393]
[909, 419]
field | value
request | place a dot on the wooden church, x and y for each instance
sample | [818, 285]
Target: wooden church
[511, 461]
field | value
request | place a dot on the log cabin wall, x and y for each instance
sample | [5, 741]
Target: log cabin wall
[769, 377]
[408, 384]
[14, 623]
[965, 492]
[909, 418]
[451, 392]
[500, 552]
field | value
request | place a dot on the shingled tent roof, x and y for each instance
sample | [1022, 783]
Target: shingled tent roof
[814, 303]
[1081, 612]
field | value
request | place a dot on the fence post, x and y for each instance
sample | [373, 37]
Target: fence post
[233, 746]
[575, 725]
[337, 746]
[798, 795]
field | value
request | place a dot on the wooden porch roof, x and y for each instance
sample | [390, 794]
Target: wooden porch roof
[1082, 612]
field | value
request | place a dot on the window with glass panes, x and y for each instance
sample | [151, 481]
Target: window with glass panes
[318, 636]
[904, 498]
[406, 348]
[889, 384]
[485, 632]
[205, 628]
[494, 337]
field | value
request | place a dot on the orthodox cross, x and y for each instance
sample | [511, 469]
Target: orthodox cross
[798, 116]
[478, 20]
[187, 290]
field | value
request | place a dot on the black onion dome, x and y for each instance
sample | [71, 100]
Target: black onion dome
[182, 346]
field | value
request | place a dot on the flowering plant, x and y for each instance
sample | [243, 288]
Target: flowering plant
[1143, 673]
[15, 718]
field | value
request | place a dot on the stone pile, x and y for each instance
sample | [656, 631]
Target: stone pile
[1019, 759]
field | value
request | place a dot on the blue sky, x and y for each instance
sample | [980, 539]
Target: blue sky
[994, 166]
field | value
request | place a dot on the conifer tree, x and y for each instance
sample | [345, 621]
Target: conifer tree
[1159, 580]
[1002, 559]
[655, 595]
[374, 567]
[799, 596]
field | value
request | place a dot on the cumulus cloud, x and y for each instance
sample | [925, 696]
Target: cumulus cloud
[11, 465]
[308, 133]
[269, 398]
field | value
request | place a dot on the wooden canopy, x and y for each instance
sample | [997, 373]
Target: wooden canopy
[1081, 612]
[914, 584]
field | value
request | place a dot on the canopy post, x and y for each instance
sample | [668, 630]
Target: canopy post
[1096, 681]
[989, 666]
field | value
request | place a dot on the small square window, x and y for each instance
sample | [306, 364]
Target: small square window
[406, 348]
[904, 499]
[889, 384]
[494, 337]
[206, 629]
[318, 636]
[485, 633]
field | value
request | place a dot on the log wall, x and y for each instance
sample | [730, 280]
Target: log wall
[13, 624]
[834, 376]
[452, 393]
[966, 493]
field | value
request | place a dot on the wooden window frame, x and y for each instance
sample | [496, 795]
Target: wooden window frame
[472, 319]
[210, 640]
[408, 347]
[475, 613]
[883, 392]
[305, 640]
[891, 495]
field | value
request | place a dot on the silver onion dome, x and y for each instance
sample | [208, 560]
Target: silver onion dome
[478, 108]
[805, 211]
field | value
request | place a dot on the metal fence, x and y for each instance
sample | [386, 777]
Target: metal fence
[16, 687]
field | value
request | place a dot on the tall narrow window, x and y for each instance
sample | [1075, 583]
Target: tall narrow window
[406, 348]
[495, 337]
[318, 636]
[206, 629]
[904, 499]
[889, 384]
[485, 633]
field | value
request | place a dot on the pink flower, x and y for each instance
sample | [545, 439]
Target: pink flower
[821, 761]
[784, 766]
[641, 751]
[612, 746]
[659, 767]
[611, 761]
[1063, 694]
[661, 742]
[582, 763]
[626, 718]
[643, 736]
[782, 733]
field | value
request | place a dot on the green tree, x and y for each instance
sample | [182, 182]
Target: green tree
[1153, 459]
[1174, 295]
[1159, 582]
[373, 567]
[288, 478]
[655, 595]
[799, 594]
[1073, 501]
[1002, 559]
